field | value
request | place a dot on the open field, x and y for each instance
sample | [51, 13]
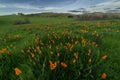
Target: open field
[59, 48]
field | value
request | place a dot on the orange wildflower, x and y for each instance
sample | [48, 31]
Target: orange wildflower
[76, 55]
[39, 51]
[9, 52]
[97, 35]
[3, 50]
[22, 51]
[60, 43]
[103, 76]
[28, 50]
[50, 47]
[90, 60]
[16, 36]
[89, 52]
[83, 42]
[76, 42]
[93, 43]
[37, 47]
[51, 52]
[96, 45]
[104, 57]
[17, 71]
[58, 54]
[33, 55]
[71, 48]
[68, 44]
[52, 65]
[73, 60]
[63, 64]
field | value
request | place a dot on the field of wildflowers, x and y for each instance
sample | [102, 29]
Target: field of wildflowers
[59, 49]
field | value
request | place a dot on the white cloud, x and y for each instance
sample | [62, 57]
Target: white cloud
[51, 8]
[112, 4]
[30, 7]
[2, 6]
[27, 8]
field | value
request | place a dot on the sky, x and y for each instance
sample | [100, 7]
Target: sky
[60, 6]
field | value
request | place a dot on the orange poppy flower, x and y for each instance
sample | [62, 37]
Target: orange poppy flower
[104, 57]
[63, 64]
[104, 76]
[52, 65]
[17, 71]
[74, 60]
[76, 55]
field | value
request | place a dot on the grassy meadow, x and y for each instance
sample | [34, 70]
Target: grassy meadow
[59, 48]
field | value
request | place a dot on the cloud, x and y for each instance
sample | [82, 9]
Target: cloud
[2, 6]
[103, 7]
[108, 6]
[24, 6]
[76, 6]
[51, 8]
[29, 7]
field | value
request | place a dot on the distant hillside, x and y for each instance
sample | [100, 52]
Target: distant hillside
[85, 16]
[51, 14]
[98, 16]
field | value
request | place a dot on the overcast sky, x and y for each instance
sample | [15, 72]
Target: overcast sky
[36, 6]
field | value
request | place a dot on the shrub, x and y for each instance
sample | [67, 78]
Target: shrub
[25, 21]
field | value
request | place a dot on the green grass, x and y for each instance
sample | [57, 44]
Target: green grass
[44, 32]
